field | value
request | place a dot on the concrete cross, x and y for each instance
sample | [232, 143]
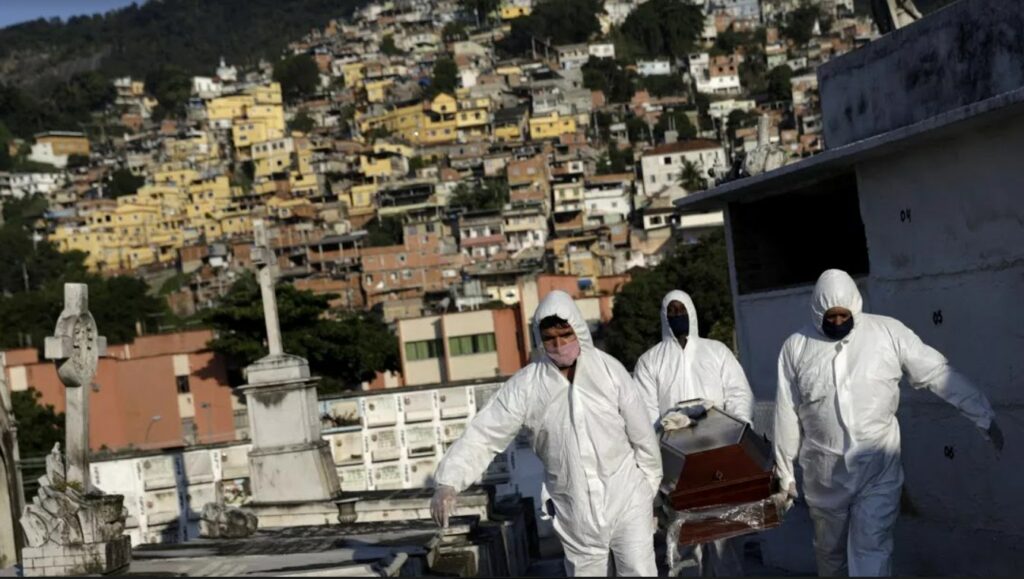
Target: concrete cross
[76, 347]
[263, 257]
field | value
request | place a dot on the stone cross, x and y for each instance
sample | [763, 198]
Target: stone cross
[263, 257]
[76, 347]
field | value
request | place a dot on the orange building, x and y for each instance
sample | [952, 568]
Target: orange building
[160, 391]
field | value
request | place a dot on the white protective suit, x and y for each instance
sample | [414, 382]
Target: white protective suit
[669, 373]
[836, 405]
[601, 458]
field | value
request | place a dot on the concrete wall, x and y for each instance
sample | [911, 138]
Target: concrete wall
[965, 53]
[431, 370]
[954, 272]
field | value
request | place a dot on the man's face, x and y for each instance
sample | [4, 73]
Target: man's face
[557, 336]
[838, 315]
[675, 308]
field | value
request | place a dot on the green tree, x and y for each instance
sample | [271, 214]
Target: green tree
[701, 270]
[799, 25]
[556, 22]
[779, 87]
[344, 350]
[615, 161]
[83, 93]
[491, 194]
[454, 31]
[384, 231]
[677, 118]
[664, 27]
[445, 78]
[76, 161]
[691, 178]
[123, 182]
[480, 9]
[32, 274]
[388, 46]
[298, 75]
[39, 426]
[302, 122]
[172, 87]
[665, 85]
[609, 77]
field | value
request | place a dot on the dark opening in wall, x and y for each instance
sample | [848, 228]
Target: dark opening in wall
[789, 239]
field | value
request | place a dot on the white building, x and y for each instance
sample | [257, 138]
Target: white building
[663, 165]
[601, 50]
[225, 73]
[608, 198]
[206, 88]
[525, 226]
[43, 153]
[718, 75]
[572, 56]
[922, 184]
[653, 67]
[19, 185]
[721, 109]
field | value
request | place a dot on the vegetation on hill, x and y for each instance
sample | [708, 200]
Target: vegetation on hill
[32, 277]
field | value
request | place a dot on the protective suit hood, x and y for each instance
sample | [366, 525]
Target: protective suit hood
[835, 288]
[691, 312]
[561, 304]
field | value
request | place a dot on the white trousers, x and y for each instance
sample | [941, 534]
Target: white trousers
[857, 541]
[631, 544]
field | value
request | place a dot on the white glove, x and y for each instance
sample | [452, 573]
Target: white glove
[442, 505]
[675, 420]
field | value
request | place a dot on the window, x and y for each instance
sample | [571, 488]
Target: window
[653, 179]
[475, 344]
[656, 220]
[667, 160]
[422, 350]
[183, 387]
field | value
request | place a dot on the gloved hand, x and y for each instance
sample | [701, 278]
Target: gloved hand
[694, 409]
[443, 505]
[995, 436]
[674, 420]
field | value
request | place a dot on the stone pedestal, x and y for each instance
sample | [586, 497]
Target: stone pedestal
[103, 558]
[290, 463]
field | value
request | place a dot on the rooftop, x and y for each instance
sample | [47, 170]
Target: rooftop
[683, 147]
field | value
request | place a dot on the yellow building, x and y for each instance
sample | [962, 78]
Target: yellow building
[65, 142]
[551, 126]
[226, 109]
[378, 90]
[245, 133]
[272, 116]
[353, 73]
[269, 94]
[513, 12]
[430, 123]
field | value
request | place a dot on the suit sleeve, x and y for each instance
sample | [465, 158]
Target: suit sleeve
[489, 433]
[638, 429]
[647, 384]
[787, 425]
[739, 400]
[926, 367]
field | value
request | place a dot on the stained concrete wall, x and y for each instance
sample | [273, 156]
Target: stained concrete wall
[967, 52]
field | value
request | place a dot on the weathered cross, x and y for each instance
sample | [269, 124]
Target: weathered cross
[263, 257]
[76, 347]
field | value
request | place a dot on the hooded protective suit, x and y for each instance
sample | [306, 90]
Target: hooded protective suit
[601, 458]
[669, 373]
[836, 405]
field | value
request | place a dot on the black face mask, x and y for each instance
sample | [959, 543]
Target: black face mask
[837, 331]
[680, 325]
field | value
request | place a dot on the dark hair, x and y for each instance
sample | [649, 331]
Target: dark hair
[553, 322]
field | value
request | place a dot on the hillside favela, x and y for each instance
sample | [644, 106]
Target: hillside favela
[506, 288]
